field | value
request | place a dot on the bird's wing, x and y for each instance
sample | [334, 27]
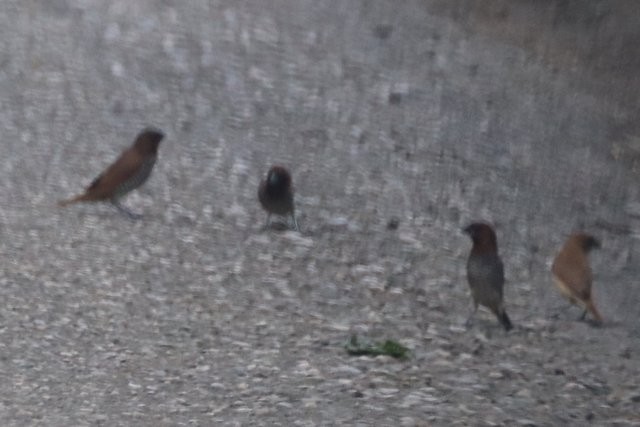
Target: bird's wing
[118, 172]
[574, 271]
[95, 182]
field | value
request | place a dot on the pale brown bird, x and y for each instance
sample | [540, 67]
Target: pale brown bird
[275, 194]
[572, 272]
[128, 172]
[485, 273]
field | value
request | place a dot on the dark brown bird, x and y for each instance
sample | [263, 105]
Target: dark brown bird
[485, 272]
[128, 172]
[276, 194]
[572, 273]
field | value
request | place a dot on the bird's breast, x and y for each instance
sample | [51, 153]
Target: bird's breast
[138, 178]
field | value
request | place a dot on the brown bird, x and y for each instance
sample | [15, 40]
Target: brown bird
[485, 272]
[276, 194]
[572, 273]
[127, 173]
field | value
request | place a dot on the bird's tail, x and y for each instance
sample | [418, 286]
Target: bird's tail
[504, 320]
[591, 308]
[75, 199]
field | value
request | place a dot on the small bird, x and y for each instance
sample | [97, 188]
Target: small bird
[485, 272]
[275, 194]
[128, 172]
[572, 273]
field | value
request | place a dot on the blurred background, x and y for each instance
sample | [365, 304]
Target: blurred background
[432, 113]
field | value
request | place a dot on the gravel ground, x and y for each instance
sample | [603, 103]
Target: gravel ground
[429, 113]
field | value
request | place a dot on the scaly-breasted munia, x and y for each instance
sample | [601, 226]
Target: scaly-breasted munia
[485, 272]
[128, 172]
[572, 273]
[276, 194]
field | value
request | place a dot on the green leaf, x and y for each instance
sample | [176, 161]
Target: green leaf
[356, 347]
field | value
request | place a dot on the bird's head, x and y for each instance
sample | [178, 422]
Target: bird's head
[278, 178]
[482, 235]
[148, 140]
[586, 241]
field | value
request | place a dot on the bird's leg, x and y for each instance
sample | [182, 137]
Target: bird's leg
[584, 314]
[268, 223]
[469, 321]
[295, 222]
[125, 211]
[561, 308]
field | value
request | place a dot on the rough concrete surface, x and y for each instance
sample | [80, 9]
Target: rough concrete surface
[435, 113]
